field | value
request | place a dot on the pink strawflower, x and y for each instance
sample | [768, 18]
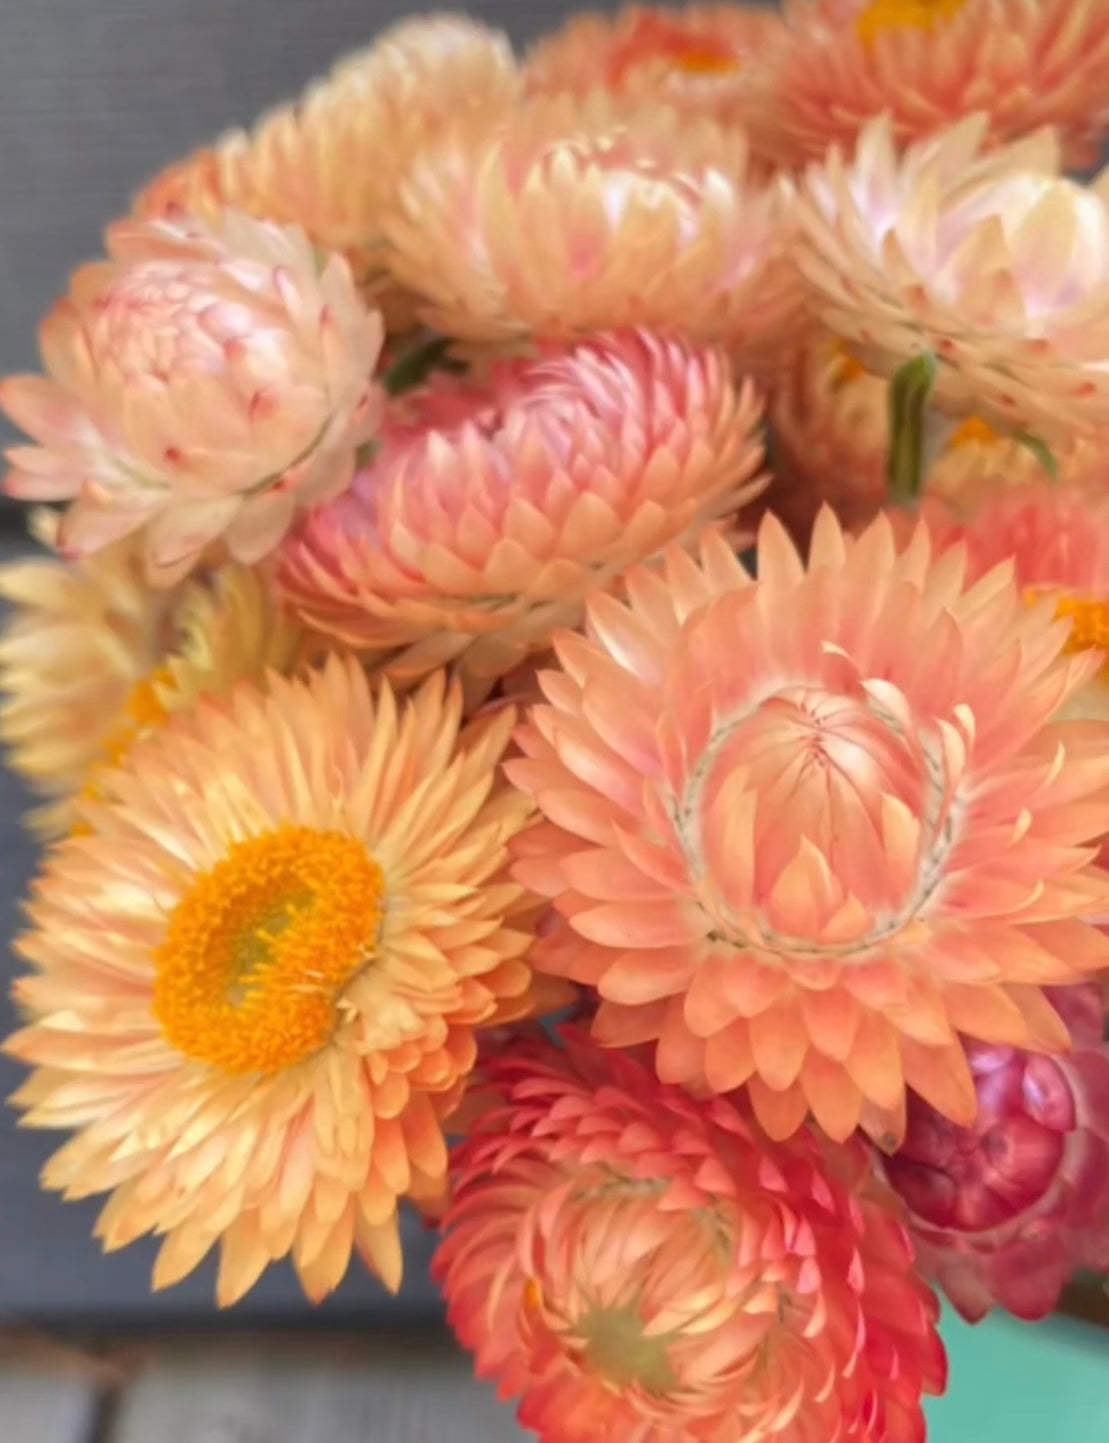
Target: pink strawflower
[495, 507]
[929, 63]
[1003, 1211]
[332, 161]
[203, 385]
[803, 830]
[578, 215]
[993, 262]
[1056, 538]
[707, 60]
[635, 1265]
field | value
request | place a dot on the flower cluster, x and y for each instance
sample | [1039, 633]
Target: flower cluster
[619, 529]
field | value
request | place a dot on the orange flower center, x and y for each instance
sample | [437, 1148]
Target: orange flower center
[973, 432]
[260, 948]
[657, 39]
[1089, 622]
[142, 712]
[882, 16]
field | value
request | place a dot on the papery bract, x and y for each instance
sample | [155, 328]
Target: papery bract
[91, 659]
[255, 983]
[494, 507]
[993, 262]
[333, 161]
[202, 385]
[704, 60]
[1003, 1212]
[803, 830]
[635, 1265]
[1056, 537]
[930, 63]
[575, 216]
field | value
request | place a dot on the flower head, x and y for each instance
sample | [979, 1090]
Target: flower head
[635, 1264]
[929, 63]
[705, 60]
[1003, 1211]
[256, 980]
[828, 420]
[332, 161]
[202, 385]
[91, 659]
[803, 829]
[992, 262]
[492, 509]
[574, 216]
[1056, 537]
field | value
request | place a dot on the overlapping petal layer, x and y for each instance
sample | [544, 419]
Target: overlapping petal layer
[256, 980]
[633, 1265]
[804, 830]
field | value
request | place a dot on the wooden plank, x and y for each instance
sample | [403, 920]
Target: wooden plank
[43, 1408]
[424, 1395]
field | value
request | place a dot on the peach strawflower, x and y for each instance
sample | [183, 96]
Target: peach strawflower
[929, 63]
[633, 1264]
[704, 60]
[1056, 537]
[802, 829]
[579, 215]
[993, 262]
[256, 982]
[331, 162]
[492, 509]
[91, 659]
[1004, 1211]
[202, 385]
[828, 421]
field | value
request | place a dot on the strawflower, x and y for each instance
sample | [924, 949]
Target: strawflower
[493, 508]
[929, 63]
[635, 1265]
[91, 659]
[582, 215]
[203, 385]
[992, 262]
[1003, 1211]
[255, 982]
[704, 60]
[1056, 538]
[804, 830]
[333, 161]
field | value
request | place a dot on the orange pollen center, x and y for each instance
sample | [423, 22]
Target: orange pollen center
[657, 41]
[142, 712]
[973, 432]
[259, 949]
[882, 16]
[1089, 622]
[846, 368]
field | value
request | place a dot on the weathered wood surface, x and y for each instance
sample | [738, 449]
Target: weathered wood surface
[258, 1392]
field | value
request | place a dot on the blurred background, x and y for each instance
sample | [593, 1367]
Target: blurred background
[95, 95]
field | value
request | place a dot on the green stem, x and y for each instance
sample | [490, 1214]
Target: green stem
[910, 392]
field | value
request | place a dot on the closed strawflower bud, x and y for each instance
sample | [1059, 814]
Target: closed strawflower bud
[1004, 1210]
[202, 384]
[493, 508]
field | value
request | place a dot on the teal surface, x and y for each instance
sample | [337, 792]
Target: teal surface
[1023, 1383]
